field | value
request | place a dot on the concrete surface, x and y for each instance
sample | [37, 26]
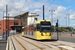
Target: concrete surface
[46, 44]
[3, 43]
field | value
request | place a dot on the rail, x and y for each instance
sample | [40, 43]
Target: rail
[31, 43]
[20, 44]
[13, 44]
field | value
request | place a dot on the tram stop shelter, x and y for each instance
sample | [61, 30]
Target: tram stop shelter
[18, 28]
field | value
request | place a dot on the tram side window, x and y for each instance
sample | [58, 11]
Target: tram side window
[38, 27]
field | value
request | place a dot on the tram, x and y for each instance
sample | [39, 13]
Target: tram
[41, 30]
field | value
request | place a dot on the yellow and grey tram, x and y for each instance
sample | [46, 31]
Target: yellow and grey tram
[41, 30]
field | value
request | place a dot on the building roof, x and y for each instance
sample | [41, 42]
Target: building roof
[26, 14]
[21, 15]
[9, 17]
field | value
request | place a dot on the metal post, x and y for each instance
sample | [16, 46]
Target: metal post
[14, 26]
[8, 25]
[43, 12]
[22, 20]
[66, 21]
[3, 24]
[71, 32]
[57, 31]
[52, 15]
[6, 22]
[52, 18]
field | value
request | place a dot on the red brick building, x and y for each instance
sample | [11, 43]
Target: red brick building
[11, 24]
[30, 28]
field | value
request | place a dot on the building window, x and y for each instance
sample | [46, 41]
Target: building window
[16, 23]
[0, 27]
[0, 23]
[35, 19]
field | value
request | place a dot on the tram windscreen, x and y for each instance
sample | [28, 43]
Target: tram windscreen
[45, 27]
[45, 23]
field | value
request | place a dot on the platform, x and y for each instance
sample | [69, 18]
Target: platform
[30, 44]
[3, 43]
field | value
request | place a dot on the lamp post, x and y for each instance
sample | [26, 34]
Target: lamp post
[3, 24]
[68, 21]
[8, 25]
[6, 20]
[51, 17]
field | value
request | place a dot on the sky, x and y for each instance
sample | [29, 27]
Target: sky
[62, 9]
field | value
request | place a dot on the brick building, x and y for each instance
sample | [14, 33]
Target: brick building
[16, 22]
[12, 23]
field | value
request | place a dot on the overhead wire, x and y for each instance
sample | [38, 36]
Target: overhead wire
[23, 6]
[44, 4]
[50, 4]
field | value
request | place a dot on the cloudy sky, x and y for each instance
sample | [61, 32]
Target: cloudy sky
[60, 9]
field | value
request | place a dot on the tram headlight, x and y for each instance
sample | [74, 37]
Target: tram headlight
[50, 34]
[42, 34]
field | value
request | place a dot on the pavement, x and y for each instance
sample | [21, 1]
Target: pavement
[3, 43]
[0, 37]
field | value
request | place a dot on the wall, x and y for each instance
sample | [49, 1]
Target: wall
[11, 22]
[31, 20]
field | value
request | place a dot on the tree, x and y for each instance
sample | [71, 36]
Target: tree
[52, 28]
[62, 28]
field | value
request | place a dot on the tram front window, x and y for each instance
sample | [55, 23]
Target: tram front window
[45, 29]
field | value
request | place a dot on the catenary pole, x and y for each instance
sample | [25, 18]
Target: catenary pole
[6, 22]
[3, 24]
[43, 12]
[8, 25]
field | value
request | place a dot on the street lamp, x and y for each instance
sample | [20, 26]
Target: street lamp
[8, 25]
[3, 24]
[51, 17]
[68, 21]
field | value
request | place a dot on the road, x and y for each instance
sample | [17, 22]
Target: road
[64, 37]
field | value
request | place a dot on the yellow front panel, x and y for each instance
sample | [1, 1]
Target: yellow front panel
[45, 35]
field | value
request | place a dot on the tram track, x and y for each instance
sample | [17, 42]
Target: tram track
[23, 47]
[63, 44]
[60, 45]
[31, 43]
[47, 44]
[60, 48]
